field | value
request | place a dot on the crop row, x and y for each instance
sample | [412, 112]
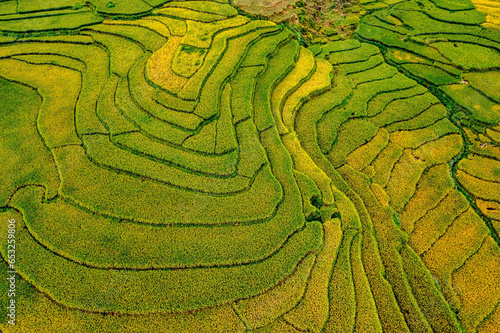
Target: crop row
[103, 159]
[274, 187]
[403, 154]
[438, 43]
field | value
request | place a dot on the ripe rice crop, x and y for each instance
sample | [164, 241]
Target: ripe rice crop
[193, 166]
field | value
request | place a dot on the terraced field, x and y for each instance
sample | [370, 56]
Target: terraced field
[180, 166]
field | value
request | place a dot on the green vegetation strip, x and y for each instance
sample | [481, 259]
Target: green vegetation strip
[118, 291]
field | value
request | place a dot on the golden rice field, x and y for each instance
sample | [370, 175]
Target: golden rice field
[193, 166]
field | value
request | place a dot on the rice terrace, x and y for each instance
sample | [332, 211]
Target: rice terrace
[250, 166]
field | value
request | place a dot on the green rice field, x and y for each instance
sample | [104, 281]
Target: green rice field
[250, 166]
